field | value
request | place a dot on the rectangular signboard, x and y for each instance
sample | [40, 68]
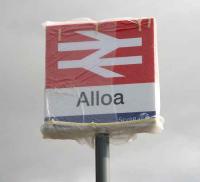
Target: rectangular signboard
[101, 71]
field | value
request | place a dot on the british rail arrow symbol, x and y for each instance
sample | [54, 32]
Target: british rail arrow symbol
[104, 45]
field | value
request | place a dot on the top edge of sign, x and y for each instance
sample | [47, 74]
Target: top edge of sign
[88, 20]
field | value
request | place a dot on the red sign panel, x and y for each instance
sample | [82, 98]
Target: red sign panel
[104, 53]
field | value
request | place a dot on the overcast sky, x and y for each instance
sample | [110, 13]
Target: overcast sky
[173, 156]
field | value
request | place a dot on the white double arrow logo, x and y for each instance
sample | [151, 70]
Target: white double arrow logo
[105, 44]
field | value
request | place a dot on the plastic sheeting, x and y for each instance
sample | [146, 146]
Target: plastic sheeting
[101, 77]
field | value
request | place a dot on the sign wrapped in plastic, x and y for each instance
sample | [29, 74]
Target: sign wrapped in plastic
[101, 77]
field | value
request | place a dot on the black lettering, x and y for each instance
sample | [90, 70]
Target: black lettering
[103, 99]
[92, 98]
[82, 99]
[119, 98]
[97, 98]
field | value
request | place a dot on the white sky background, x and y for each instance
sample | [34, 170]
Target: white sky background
[173, 156]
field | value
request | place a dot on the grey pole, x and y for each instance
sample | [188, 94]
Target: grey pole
[102, 157]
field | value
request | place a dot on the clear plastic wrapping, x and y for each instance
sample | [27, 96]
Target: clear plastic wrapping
[101, 77]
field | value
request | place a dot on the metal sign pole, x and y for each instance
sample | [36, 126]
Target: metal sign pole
[102, 156]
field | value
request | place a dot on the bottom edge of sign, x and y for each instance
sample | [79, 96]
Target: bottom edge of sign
[104, 118]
